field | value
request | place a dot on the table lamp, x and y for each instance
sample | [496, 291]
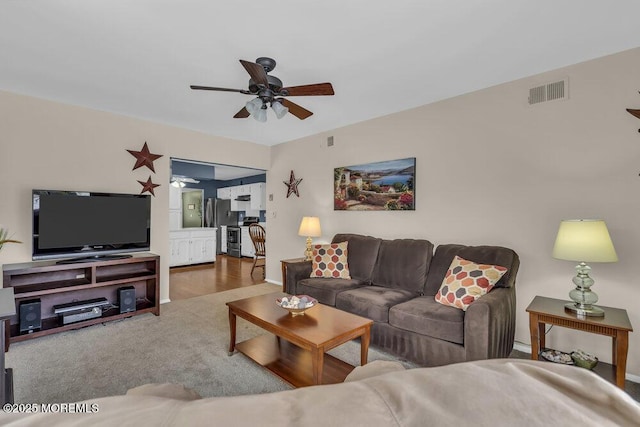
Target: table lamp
[310, 227]
[584, 240]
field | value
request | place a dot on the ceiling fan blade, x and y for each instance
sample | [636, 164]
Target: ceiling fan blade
[636, 113]
[308, 90]
[256, 71]
[221, 89]
[242, 114]
[295, 109]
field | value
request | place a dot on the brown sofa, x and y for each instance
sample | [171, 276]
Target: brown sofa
[394, 282]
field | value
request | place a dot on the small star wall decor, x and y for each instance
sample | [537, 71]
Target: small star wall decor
[148, 186]
[144, 157]
[292, 185]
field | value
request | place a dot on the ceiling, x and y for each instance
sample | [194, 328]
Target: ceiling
[138, 57]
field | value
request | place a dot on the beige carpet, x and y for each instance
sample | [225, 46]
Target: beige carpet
[187, 344]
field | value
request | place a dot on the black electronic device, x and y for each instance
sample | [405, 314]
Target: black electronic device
[88, 225]
[30, 316]
[80, 315]
[127, 299]
[79, 305]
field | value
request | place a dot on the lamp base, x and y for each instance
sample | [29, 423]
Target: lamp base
[308, 253]
[582, 296]
[591, 311]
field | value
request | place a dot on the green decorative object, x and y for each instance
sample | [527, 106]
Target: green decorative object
[4, 237]
[584, 360]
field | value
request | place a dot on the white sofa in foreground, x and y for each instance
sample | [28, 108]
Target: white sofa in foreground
[497, 392]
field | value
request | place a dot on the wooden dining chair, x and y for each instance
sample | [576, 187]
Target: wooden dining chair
[258, 237]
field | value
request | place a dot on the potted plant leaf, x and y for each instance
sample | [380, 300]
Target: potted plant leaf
[4, 237]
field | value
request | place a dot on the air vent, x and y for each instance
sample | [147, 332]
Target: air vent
[549, 92]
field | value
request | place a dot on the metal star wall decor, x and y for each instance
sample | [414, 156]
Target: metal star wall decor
[292, 185]
[144, 157]
[634, 113]
[148, 186]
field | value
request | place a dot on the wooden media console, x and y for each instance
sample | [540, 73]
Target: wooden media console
[54, 284]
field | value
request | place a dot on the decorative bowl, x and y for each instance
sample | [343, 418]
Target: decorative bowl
[296, 304]
[556, 356]
[584, 360]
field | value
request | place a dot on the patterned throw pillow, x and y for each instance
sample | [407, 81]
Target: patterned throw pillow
[330, 261]
[467, 281]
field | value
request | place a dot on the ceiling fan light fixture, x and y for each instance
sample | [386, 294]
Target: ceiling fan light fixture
[260, 115]
[279, 109]
[254, 106]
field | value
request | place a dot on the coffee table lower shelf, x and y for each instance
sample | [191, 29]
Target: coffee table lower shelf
[290, 362]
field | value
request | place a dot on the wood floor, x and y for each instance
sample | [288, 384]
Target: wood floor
[226, 273]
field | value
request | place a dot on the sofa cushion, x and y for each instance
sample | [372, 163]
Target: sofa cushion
[324, 289]
[495, 255]
[330, 261]
[466, 281]
[423, 315]
[372, 302]
[362, 254]
[403, 264]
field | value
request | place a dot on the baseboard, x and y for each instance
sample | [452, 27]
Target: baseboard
[273, 282]
[526, 348]
[164, 301]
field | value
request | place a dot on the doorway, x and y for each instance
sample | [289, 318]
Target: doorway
[198, 184]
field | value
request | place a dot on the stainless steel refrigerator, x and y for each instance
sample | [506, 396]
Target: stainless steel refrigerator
[218, 213]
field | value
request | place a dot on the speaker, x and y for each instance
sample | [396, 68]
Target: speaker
[30, 316]
[127, 299]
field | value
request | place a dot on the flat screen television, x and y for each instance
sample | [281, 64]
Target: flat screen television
[83, 225]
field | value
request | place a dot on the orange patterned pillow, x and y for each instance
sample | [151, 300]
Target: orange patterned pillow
[467, 281]
[330, 261]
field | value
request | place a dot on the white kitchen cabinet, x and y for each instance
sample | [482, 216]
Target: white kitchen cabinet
[257, 192]
[224, 193]
[203, 246]
[240, 190]
[179, 243]
[192, 246]
[175, 208]
[175, 198]
[175, 219]
[258, 196]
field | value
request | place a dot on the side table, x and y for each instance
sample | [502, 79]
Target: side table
[614, 324]
[284, 263]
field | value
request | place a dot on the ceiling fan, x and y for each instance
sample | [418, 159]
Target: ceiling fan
[269, 91]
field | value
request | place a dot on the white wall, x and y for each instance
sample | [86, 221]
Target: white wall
[490, 170]
[493, 170]
[48, 145]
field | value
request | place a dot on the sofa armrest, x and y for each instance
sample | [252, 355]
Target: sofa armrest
[295, 272]
[489, 325]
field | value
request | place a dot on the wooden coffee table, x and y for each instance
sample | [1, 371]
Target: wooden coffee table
[296, 350]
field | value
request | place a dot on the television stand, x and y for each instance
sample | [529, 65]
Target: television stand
[58, 284]
[93, 258]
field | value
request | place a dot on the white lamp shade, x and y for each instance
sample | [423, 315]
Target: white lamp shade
[584, 240]
[260, 115]
[254, 106]
[279, 109]
[310, 227]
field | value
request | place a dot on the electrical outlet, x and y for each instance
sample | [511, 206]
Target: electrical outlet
[274, 214]
[271, 197]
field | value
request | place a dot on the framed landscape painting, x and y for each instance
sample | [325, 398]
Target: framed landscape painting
[380, 186]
